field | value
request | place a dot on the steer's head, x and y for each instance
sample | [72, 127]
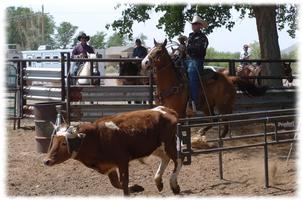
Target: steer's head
[65, 143]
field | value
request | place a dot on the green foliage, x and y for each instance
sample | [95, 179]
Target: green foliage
[117, 40]
[212, 53]
[97, 41]
[175, 16]
[255, 50]
[24, 27]
[137, 13]
[65, 32]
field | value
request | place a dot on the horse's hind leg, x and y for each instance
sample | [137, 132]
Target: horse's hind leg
[206, 112]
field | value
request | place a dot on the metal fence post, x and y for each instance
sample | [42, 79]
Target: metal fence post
[266, 157]
[63, 93]
[232, 69]
[91, 72]
[19, 93]
[220, 144]
[68, 89]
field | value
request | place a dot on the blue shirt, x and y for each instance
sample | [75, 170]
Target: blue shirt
[140, 52]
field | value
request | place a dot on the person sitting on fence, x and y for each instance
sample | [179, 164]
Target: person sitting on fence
[80, 51]
[245, 55]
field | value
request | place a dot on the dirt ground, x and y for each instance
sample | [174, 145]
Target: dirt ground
[243, 173]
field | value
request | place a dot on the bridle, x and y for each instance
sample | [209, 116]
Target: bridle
[175, 89]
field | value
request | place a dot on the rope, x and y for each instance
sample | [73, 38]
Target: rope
[203, 89]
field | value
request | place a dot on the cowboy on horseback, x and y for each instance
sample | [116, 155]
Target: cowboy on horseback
[80, 51]
[196, 50]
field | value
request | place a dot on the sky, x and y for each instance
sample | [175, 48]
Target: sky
[91, 17]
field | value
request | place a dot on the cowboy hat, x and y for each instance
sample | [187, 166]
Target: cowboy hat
[197, 19]
[83, 35]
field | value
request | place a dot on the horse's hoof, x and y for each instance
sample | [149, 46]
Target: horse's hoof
[176, 190]
[136, 188]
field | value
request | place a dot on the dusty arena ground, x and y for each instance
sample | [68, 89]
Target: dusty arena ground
[243, 173]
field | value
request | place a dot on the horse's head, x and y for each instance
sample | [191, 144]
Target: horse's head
[287, 71]
[157, 57]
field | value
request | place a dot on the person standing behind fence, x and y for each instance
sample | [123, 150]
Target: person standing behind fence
[139, 51]
[245, 55]
[80, 51]
[196, 50]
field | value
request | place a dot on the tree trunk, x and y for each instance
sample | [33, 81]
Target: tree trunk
[268, 39]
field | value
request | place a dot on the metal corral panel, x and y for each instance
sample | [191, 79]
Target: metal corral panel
[95, 111]
[273, 99]
[110, 93]
[39, 93]
[43, 72]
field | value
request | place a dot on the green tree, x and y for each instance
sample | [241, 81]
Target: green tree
[64, 35]
[255, 50]
[212, 53]
[24, 27]
[117, 40]
[269, 18]
[98, 40]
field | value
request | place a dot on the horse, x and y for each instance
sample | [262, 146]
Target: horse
[128, 69]
[85, 70]
[172, 88]
[287, 71]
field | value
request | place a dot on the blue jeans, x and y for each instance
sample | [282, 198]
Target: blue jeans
[192, 66]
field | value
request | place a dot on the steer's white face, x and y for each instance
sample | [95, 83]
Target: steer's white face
[59, 151]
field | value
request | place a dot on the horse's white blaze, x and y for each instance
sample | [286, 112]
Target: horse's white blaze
[159, 109]
[111, 125]
[173, 179]
[146, 62]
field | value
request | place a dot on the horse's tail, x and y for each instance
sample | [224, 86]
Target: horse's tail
[248, 87]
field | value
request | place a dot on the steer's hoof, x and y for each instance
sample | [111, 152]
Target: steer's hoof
[176, 190]
[136, 188]
[160, 186]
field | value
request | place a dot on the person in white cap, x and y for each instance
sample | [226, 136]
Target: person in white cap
[245, 55]
[196, 50]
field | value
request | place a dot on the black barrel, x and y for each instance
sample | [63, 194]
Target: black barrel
[45, 113]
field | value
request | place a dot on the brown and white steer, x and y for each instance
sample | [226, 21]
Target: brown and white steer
[111, 142]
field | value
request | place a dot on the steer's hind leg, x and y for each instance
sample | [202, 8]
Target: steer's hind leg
[114, 180]
[172, 153]
[161, 169]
